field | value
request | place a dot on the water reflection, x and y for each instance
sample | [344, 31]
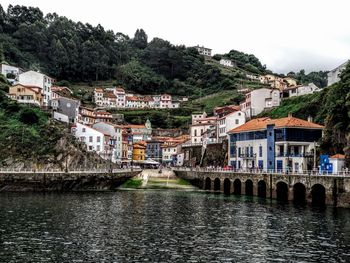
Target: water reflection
[167, 226]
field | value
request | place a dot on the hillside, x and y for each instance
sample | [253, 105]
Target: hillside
[329, 107]
[30, 139]
[85, 55]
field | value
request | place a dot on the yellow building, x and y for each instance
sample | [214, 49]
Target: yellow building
[26, 94]
[139, 151]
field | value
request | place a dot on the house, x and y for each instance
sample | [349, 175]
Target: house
[290, 81]
[140, 132]
[203, 51]
[127, 145]
[196, 116]
[201, 126]
[285, 144]
[165, 101]
[300, 90]
[91, 116]
[154, 149]
[59, 92]
[94, 140]
[115, 132]
[67, 107]
[333, 75]
[119, 92]
[26, 94]
[139, 151]
[338, 163]
[98, 97]
[11, 73]
[44, 82]
[227, 62]
[229, 122]
[258, 100]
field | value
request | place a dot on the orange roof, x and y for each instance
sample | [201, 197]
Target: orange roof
[261, 123]
[134, 126]
[338, 156]
[120, 89]
[98, 90]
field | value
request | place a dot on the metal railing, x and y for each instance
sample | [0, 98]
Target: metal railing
[56, 171]
[262, 171]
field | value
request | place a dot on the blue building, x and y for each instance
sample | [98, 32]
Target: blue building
[285, 144]
[154, 150]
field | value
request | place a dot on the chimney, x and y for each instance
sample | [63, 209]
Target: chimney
[310, 119]
[290, 115]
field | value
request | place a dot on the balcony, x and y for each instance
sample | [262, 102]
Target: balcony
[295, 155]
[248, 156]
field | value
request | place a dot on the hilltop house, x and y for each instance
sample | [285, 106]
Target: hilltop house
[26, 94]
[300, 90]
[227, 62]
[44, 82]
[333, 75]
[11, 73]
[203, 51]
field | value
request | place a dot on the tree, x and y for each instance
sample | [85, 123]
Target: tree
[140, 39]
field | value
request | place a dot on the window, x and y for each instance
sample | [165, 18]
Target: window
[98, 139]
[260, 151]
[83, 130]
[236, 121]
[239, 152]
[195, 132]
[90, 139]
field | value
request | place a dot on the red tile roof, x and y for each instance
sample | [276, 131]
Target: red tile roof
[338, 156]
[261, 123]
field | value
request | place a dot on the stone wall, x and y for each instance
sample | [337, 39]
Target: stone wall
[11, 182]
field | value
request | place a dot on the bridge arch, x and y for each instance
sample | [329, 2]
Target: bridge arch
[282, 191]
[249, 187]
[237, 187]
[207, 184]
[299, 193]
[262, 188]
[318, 195]
[217, 184]
[227, 186]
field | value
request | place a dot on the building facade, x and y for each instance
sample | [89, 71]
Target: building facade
[26, 94]
[33, 78]
[333, 75]
[283, 145]
[203, 51]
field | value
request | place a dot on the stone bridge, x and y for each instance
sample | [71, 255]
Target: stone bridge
[63, 181]
[314, 189]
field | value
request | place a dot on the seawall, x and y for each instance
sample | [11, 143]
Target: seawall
[61, 181]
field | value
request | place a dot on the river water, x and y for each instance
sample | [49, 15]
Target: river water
[167, 226]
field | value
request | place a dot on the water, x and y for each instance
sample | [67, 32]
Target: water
[167, 226]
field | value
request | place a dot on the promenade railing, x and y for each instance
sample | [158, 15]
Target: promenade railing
[73, 171]
[263, 171]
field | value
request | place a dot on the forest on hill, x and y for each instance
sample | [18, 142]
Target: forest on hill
[78, 52]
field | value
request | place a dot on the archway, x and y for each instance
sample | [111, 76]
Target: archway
[227, 186]
[299, 193]
[217, 183]
[207, 184]
[249, 187]
[262, 189]
[237, 186]
[318, 193]
[282, 191]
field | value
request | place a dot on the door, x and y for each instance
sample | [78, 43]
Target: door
[279, 166]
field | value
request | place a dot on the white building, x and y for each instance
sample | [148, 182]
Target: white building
[11, 73]
[33, 78]
[165, 101]
[257, 100]
[203, 126]
[203, 50]
[197, 116]
[227, 62]
[301, 90]
[338, 163]
[115, 132]
[95, 140]
[229, 122]
[121, 97]
[333, 75]
[282, 145]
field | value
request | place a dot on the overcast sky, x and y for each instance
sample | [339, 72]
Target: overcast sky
[284, 34]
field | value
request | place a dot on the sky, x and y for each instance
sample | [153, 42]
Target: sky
[286, 35]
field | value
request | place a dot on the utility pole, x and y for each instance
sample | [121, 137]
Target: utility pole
[314, 156]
